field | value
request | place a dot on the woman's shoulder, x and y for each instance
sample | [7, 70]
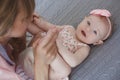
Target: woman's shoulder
[7, 72]
[4, 64]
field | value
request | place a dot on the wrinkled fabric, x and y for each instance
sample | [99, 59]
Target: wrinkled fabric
[7, 67]
[7, 72]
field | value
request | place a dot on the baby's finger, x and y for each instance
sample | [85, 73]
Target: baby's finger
[36, 15]
[37, 21]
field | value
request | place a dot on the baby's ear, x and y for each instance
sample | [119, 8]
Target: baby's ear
[99, 42]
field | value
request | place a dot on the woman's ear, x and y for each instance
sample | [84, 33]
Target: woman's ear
[99, 42]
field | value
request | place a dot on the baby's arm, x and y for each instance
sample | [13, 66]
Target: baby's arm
[73, 59]
[80, 55]
[43, 24]
[26, 61]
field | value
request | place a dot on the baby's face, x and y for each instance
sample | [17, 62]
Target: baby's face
[92, 29]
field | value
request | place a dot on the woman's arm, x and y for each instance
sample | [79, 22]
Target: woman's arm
[40, 69]
[44, 53]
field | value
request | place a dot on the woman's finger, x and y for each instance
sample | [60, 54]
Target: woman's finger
[46, 47]
[35, 43]
[44, 41]
[51, 54]
[52, 41]
[49, 38]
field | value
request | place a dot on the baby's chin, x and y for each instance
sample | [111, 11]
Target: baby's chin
[86, 41]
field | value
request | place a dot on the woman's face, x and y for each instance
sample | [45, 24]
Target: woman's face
[19, 26]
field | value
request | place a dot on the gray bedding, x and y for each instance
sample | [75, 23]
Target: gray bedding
[103, 63]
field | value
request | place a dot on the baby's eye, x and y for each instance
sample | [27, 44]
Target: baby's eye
[88, 22]
[95, 32]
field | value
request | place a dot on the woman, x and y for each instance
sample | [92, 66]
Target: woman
[15, 20]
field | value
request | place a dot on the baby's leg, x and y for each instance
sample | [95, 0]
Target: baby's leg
[26, 60]
[59, 69]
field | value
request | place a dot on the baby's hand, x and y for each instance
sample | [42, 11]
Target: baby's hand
[35, 15]
[43, 24]
[36, 19]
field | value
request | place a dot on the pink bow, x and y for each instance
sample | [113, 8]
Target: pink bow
[101, 12]
[105, 13]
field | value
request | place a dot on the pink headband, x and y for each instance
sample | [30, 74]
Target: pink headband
[105, 13]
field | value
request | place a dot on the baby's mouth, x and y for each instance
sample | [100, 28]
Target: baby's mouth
[83, 33]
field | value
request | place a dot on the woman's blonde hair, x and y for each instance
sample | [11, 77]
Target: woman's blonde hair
[9, 10]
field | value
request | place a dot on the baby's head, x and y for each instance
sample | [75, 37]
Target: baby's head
[95, 28]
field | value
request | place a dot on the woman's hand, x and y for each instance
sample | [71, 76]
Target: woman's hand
[46, 48]
[45, 51]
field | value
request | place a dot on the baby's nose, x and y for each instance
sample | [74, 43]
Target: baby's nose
[88, 28]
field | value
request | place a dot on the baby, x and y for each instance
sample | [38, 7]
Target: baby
[72, 43]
